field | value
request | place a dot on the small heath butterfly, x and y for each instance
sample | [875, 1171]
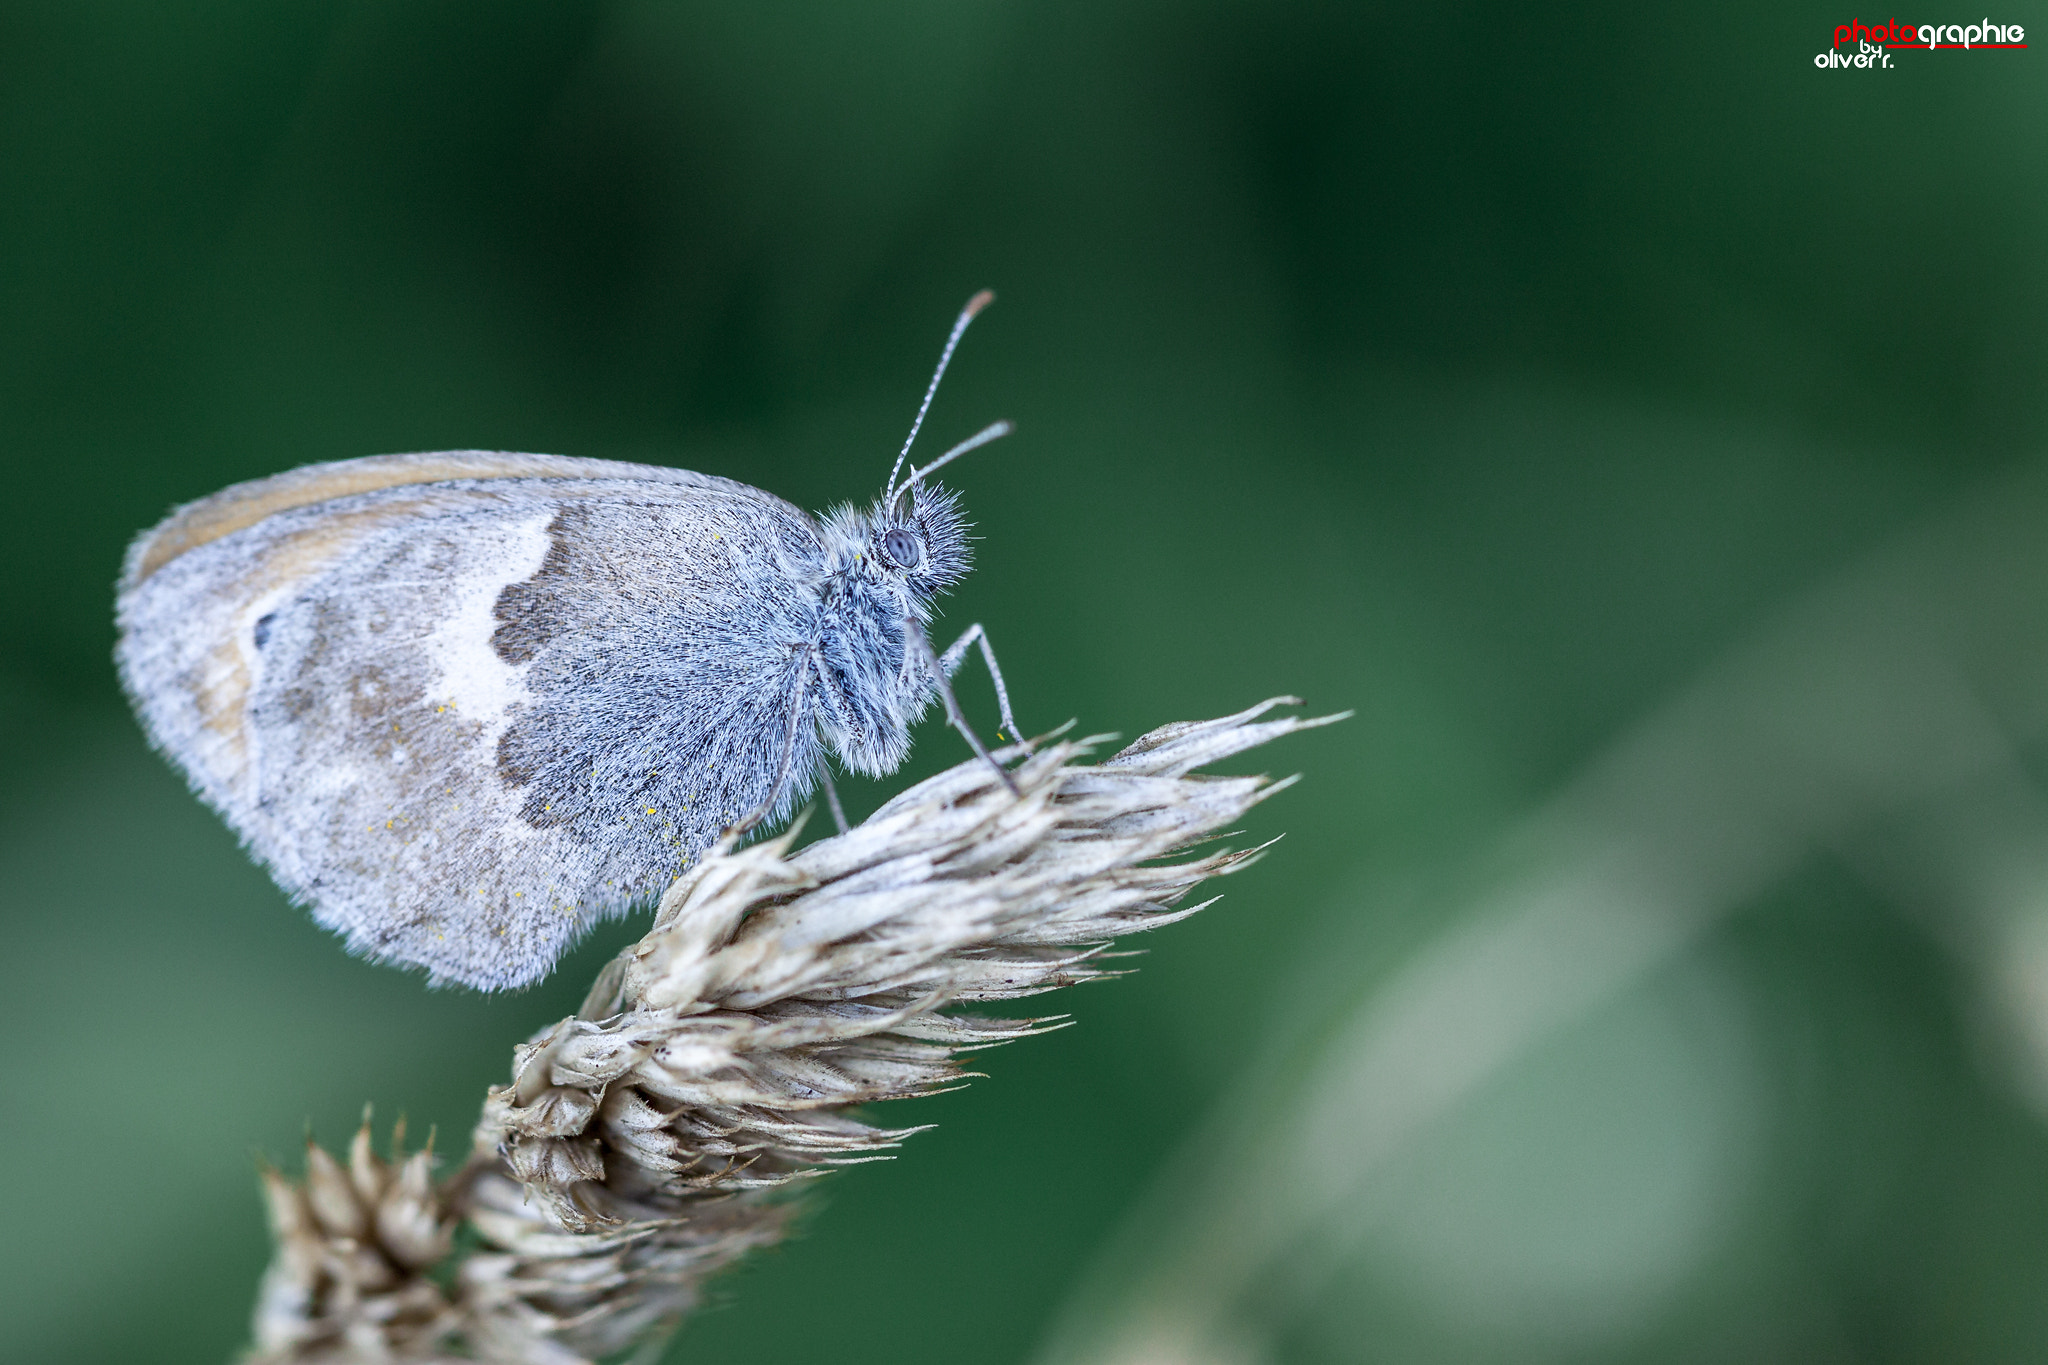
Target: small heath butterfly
[465, 704]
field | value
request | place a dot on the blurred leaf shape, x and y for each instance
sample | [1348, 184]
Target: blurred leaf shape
[1884, 719]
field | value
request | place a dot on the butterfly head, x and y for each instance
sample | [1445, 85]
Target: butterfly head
[921, 538]
[915, 546]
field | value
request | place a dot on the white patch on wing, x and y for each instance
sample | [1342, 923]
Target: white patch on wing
[473, 680]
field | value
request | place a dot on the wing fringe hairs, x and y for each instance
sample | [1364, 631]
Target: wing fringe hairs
[654, 1138]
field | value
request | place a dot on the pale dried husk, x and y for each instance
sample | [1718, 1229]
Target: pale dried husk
[656, 1136]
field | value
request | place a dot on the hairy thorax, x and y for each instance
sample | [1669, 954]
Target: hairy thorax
[870, 687]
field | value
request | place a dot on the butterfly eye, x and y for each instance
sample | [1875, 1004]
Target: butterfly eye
[904, 548]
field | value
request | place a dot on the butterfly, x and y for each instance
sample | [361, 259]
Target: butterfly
[465, 704]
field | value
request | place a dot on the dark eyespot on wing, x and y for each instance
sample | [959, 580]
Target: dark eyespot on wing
[262, 630]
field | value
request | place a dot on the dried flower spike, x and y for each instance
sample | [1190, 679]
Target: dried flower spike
[649, 1141]
[348, 1279]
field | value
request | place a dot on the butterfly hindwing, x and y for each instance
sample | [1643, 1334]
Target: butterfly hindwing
[464, 704]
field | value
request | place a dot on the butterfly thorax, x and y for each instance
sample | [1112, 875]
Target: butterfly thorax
[883, 567]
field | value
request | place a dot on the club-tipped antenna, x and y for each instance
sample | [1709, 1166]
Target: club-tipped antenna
[974, 305]
[994, 431]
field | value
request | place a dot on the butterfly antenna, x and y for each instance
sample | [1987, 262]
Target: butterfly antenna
[974, 305]
[995, 431]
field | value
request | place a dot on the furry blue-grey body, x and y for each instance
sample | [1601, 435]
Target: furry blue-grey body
[463, 718]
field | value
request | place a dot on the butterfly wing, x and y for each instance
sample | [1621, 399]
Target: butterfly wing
[464, 704]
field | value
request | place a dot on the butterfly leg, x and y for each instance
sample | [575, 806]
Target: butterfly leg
[796, 716]
[838, 705]
[832, 798]
[954, 716]
[956, 654]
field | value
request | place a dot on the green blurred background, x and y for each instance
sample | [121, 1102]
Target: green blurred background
[1502, 373]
